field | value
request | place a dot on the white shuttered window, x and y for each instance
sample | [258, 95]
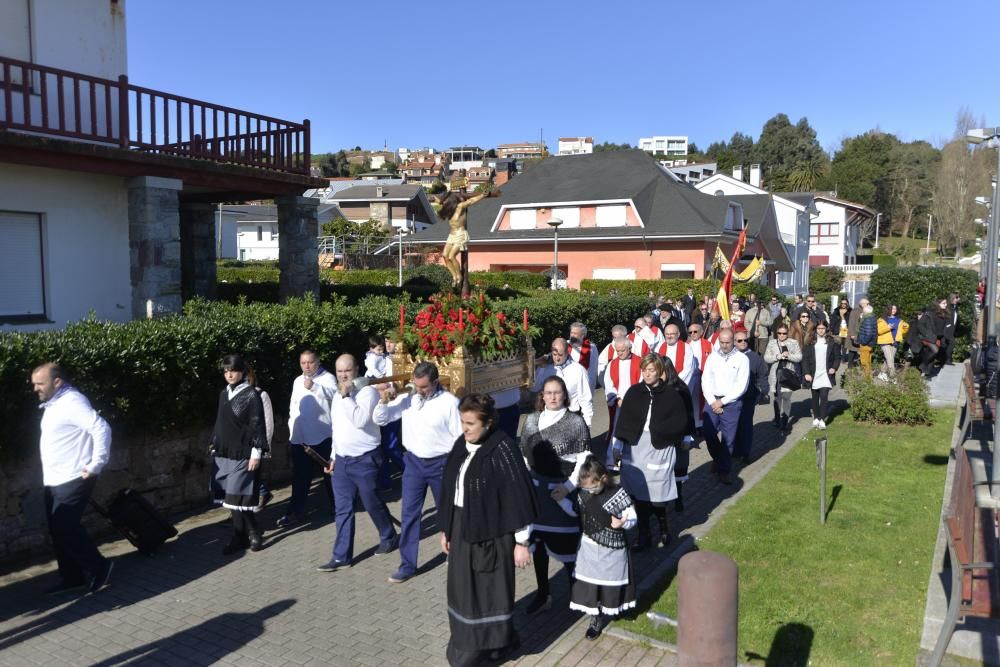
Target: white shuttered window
[22, 288]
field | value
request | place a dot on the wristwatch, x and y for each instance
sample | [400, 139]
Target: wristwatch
[523, 544]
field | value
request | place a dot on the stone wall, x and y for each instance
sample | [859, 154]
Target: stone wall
[171, 470]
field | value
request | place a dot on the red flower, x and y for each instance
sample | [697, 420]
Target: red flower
[501, 317]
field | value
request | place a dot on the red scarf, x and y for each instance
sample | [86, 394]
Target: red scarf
[678, 360]
[645, 346]
[611, 352]
[584, 353]
[633, 373]
[706, 349]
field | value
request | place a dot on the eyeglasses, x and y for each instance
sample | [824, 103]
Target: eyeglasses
[782, 333]
[803, 317]
[741, 340]
[693, 331]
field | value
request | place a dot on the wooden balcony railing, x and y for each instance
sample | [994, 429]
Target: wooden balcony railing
[47, 101]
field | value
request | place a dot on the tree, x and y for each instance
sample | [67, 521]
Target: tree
[913, 171]
[357, 236]
[362, 168]
[490, 153]
[608, 146]
[784, 148]
[334, 165]
[390, 167]
[964, 174]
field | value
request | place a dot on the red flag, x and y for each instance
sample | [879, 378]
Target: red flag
[722, 298]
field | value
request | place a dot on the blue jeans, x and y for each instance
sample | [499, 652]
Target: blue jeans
[419, 475]
[76, 553]
[304, 469]
[356, 475]
[726, 424]
[392, 448]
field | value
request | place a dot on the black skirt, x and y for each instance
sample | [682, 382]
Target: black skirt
[480, 591]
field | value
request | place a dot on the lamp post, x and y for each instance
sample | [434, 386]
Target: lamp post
[554, 224]
[979, 136]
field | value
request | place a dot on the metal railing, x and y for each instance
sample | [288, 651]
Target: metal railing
[42, 100]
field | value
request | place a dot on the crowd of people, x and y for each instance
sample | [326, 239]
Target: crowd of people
[681, 375]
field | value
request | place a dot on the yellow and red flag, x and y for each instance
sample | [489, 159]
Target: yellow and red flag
[722, 298]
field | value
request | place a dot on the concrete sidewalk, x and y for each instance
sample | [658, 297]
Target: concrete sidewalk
[190, 605]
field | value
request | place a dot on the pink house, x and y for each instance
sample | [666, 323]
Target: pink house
[623, 217]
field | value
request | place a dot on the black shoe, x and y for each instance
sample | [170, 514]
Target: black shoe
[237, 543]
[333, 566]
[726, 477]
[538, 603]
[256, 542]
[388, 547]
[288, 521]
[102, 579]
[595, 628]
[784, 423]
[746, 460]
[265, 499]
[66, 587]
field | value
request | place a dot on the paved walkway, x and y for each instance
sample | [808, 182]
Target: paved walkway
[189, 605]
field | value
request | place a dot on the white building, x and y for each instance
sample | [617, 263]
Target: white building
[835, 233]
[576, 145]
[793, 224]
[673, 146]
[97, 212]
[251, 232]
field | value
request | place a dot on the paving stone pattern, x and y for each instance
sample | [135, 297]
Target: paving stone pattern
[189, 605]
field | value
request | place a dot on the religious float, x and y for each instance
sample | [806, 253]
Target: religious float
[476, 347]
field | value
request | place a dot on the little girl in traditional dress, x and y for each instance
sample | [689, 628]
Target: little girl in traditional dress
[604, 584]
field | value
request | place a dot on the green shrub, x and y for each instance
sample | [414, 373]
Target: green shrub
[150, 376]
[826, 279]
[523, 281]
[675, 287]
[247, 274]
[915, 287]
[884, 261]
[904, 401]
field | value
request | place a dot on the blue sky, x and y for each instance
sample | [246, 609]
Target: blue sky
[429, 74]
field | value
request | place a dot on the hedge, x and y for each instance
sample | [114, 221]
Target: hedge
[675, 287]
[163, 374]
[904, 401]
[915, 287]
[828, 279]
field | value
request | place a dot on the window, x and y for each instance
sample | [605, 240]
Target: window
[824, 233]
[570, 216]
[611, 216]
[260, 233]
[676, 271]
[15, 35]
[522, 218]
[614, 274]
[22, 276]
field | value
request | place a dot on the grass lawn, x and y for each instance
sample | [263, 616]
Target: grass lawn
[852, 591]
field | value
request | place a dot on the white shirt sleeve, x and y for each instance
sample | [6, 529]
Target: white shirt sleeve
[741, 381]
[386, 413]
[100, 433]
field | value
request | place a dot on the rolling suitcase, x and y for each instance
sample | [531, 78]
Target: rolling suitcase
[135, 518]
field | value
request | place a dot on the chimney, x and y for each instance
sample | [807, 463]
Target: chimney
[738, 172]
[755, 175]
[378, 191]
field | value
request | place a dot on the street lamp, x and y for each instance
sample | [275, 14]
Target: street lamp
[978, 136]
[554, 224]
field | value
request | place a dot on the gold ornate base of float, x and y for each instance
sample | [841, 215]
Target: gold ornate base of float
[464, 374]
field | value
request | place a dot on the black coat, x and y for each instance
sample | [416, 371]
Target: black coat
[671, 418]
[809, 357]
[499, 494]
[759, 383]
[835, 320]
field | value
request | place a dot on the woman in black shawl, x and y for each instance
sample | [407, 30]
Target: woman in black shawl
[485, 516]
[238, 443]
[653, 420]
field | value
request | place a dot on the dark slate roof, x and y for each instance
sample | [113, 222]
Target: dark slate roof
[800, 198]
[324, 213]
[666, 207]
[763, 224]
[367, 192]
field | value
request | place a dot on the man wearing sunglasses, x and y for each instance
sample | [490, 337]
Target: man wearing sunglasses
[723, 383]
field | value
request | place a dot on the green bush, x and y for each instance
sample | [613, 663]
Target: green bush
[915, 287]
[675, 287]
[827, 279]
[150, 376]
[884, 261]
[523, 281]
[904, 401]
[247, 274]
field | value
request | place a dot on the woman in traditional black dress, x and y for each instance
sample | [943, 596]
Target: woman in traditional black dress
[485, 516]
[552, 440]
[238, 443]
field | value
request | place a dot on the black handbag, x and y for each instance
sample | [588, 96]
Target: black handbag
[788, 378]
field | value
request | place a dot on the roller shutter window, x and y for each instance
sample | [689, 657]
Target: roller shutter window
[22, 286]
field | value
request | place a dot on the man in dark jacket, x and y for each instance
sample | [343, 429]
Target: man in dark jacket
[948, 342]
[757, 388]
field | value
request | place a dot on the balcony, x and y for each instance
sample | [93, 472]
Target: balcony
[49, 102]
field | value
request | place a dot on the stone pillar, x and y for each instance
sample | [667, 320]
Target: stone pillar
[298, 255]
[198, 222]
[154, 245]
[707, 610]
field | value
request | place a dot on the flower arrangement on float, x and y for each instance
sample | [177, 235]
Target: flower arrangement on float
[475, 345]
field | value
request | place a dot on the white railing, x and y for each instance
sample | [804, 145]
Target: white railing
[853, 268]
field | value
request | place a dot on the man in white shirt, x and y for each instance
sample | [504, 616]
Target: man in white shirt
[621, 373]
[642, 338]
[357, 457]
[723, 382]
[581, 399]
[680, 354]
[583, 351]
[74, 446]
[431, 424]
[308, 424]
